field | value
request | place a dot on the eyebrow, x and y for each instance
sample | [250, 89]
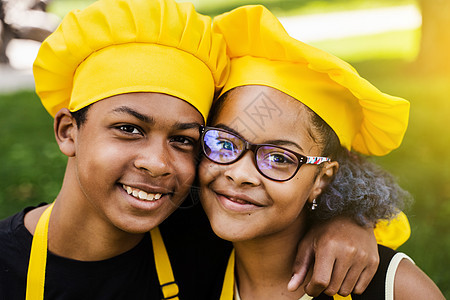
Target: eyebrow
[189, 125]
[130, 111]
[151, 120]
[273, 142]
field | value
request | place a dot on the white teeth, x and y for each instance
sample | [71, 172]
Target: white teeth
[141, 194]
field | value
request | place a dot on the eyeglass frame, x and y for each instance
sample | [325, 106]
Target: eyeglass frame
[302, 159]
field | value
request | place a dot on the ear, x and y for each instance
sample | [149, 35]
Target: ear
[65, 128]
[323, 179]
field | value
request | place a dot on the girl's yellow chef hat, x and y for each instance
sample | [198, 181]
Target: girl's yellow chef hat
[124, 46]
[262, 53]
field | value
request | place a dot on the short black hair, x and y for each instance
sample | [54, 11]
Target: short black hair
[80, 115]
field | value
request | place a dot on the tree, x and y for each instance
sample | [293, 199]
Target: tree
[434, 55]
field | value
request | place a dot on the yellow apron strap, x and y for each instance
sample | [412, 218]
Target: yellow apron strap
[228, 282]
[38, 261]
[38, 258]
[169, 287]
[337, 297]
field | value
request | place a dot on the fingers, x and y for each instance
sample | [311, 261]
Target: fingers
[345, 258]
[339, 274]
[295, 282]
[303, 262]
[361, 269]
[367, 274]
[321, 277]
[351, 270]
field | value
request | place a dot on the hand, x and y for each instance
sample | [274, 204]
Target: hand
[344, 256]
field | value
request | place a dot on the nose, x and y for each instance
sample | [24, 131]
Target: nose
[243, 172]
[154, 158]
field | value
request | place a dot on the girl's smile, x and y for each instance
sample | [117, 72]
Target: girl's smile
[241, 203]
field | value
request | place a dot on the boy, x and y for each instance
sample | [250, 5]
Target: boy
[129, 84]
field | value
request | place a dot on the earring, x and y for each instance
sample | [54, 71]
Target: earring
[314, 205]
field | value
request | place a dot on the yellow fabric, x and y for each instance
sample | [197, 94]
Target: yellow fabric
[38, 258]
[393, 233]
[338, 297]
[262, 53]
[229, 284]
[163, 267]
[38, 261]
[123, 46]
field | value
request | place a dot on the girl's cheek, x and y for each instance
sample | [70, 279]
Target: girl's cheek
[207, 171]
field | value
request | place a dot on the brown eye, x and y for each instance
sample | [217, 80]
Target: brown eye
[129, 129]
[183, 140]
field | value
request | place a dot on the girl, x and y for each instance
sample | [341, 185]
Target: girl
[278, 159]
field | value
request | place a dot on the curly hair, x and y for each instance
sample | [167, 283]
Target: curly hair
[360, 189]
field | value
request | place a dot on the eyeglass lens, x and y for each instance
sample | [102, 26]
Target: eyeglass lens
[223, 147]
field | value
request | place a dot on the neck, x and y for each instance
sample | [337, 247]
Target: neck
[77, 231]
[264, 265]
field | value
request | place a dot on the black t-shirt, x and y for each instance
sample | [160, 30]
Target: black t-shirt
[197, 256]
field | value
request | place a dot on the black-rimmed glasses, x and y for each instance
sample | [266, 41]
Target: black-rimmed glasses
[273, 162]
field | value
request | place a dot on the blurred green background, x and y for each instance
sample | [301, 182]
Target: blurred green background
[31, 167]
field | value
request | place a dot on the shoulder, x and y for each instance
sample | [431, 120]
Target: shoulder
[12, 223]
[31, 217]
[15, 244]
[398, 278]
[412, 283]
[13, 233]
[402, 278]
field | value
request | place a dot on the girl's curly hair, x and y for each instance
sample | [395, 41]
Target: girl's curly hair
[361, 189]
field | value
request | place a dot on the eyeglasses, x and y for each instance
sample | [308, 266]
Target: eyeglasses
[273, 162]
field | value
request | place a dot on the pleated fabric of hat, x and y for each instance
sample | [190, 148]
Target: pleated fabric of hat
[262, 53]
[123, 46]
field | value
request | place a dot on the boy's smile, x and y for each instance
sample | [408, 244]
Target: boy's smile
[134, 159]
[141, 194]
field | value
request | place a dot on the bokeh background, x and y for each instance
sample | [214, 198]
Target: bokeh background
[402, 47]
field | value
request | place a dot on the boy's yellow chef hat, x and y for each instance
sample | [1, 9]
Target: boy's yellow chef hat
[262, 53]
[124, 46]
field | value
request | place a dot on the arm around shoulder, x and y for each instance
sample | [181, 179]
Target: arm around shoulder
[412, 283]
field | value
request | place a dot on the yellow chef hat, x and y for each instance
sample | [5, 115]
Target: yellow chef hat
[124, 46]
[262, 53]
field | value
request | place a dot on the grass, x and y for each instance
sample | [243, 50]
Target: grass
[31, 164]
